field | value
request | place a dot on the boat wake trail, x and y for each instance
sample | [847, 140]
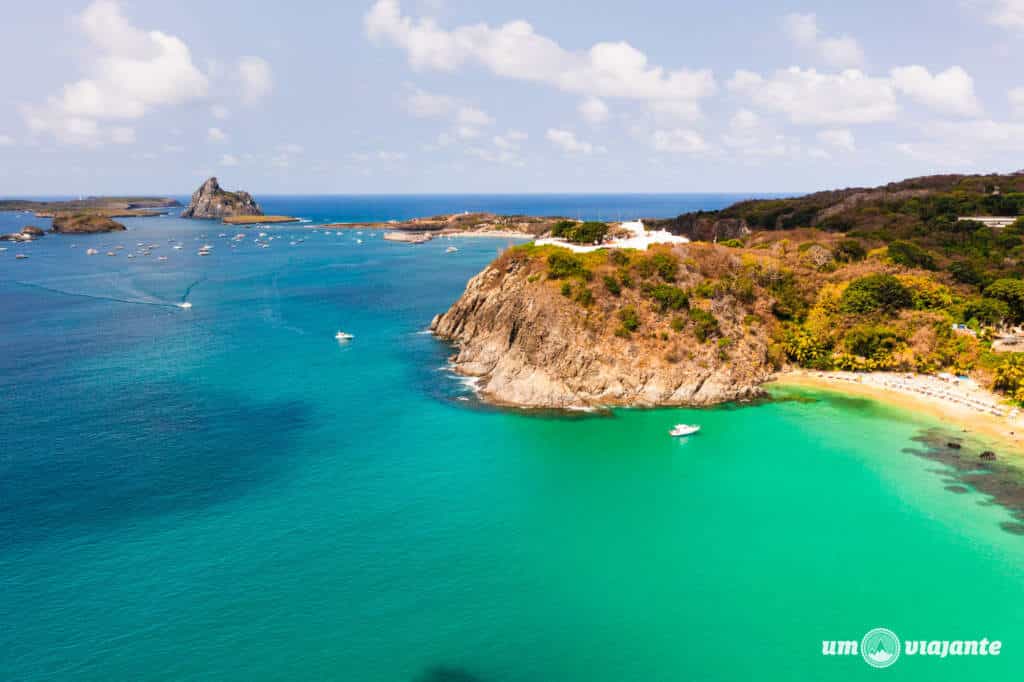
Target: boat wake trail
[134, 297]
[190, 287]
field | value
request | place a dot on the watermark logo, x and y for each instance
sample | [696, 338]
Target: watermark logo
[880, 648]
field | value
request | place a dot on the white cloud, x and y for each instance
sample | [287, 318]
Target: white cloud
[256, 79]
[750, 136]
[840, 52]
[1006, 13]
[466, 119]
[567, 141]
[594, 110]
[948, 92]
[675, 110]
[229, 160]
[122, 135]
[216, 135]
[1016, 97]
[6, 141]
[514, 50]
[810, 97]
[511, 140]
[429, 105]
[385, 156]
[982, 135]
[841, 138]
[129, 72]
[220, 112]
[679, 141]
[470, 116]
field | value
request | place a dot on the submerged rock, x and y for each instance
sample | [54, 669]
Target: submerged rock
[210, 201]
[988, 455]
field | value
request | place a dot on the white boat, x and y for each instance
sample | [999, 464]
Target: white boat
[21, 256]
[91, 252]
[684, 430]
[343, 336]
[451, 249]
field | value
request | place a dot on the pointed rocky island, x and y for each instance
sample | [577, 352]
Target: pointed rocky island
[211, 201]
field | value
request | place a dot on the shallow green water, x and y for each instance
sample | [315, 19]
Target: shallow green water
[228, 494]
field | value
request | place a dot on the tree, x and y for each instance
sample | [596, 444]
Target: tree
[1011, 292]
[850, 250]
[875, 293]
[910, 255]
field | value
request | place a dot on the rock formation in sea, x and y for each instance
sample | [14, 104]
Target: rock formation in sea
[536, 341]
[27, 234]
[85, 223]
[211, 201]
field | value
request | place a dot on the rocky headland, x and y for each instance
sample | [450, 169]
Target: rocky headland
[461, 224]
[542, 337]
[905, 278]
[210, 201]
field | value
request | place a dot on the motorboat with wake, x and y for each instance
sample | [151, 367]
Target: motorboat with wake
[684, 430]
[343, 336]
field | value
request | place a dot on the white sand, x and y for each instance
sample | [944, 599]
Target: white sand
[641, 239]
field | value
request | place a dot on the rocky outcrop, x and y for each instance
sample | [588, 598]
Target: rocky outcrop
[705, 227]
[530, 345]
[85, 223]
[210, 201]
[27, 234]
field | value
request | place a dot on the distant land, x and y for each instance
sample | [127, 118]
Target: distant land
[112, 207]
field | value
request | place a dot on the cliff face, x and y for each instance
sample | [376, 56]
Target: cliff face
[85, 223]
[210, 201]
[532, 345]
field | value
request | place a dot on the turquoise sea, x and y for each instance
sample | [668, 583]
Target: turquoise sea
[227, 493]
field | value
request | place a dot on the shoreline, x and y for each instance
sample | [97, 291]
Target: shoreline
[946, 401]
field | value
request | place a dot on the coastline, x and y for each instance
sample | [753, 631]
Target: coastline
[923, 394]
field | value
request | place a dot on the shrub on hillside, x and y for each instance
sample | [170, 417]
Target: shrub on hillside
[875, 293]
[562, 264]
[667, 297]
[849, 251]
[910, 255]
[705, 325]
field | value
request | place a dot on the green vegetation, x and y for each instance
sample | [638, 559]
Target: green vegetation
[705, 325]
[611, 283]
[580, 233]
[875, 293]
[1010, 292]
[563, 264]
[667, 297]
[630, 320]
[911, 255]
[850, 251]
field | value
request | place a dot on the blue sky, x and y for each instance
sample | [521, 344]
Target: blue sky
[402, 96]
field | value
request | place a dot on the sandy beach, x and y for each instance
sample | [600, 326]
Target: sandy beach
[961, 404]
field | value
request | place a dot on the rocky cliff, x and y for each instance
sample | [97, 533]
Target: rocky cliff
[211, 201]
[609, 333]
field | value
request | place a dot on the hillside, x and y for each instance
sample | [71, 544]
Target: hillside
[856, 279]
